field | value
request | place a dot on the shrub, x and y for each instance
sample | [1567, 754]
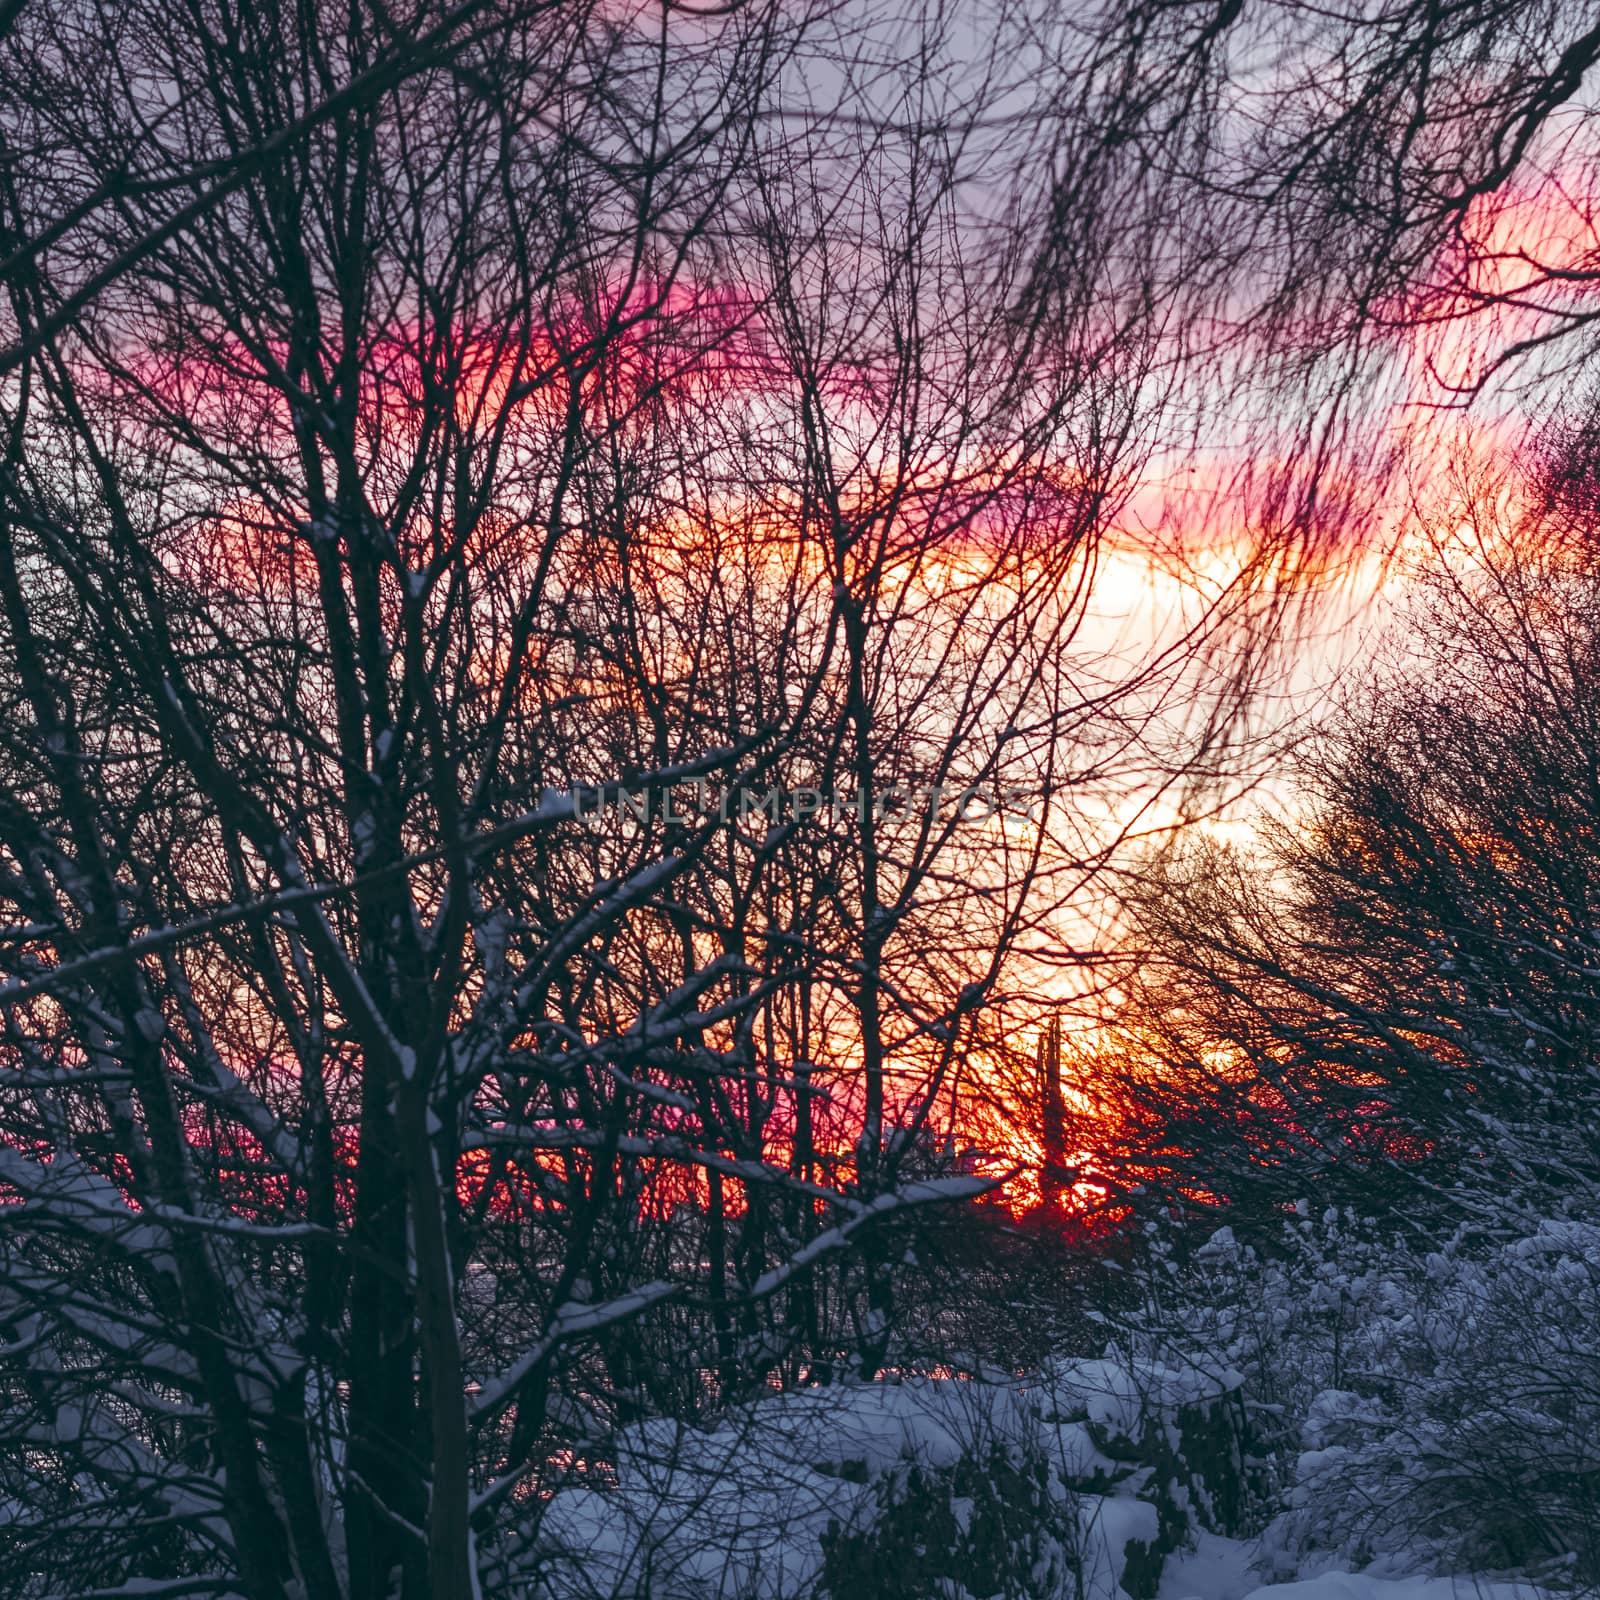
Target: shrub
[1441, 1403]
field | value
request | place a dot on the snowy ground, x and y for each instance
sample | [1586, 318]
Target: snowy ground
[1218, 1568]
[755, 1508]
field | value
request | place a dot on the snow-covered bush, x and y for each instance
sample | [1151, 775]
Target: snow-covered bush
[892, 1489]
[1072, 1482]
[1172, 1432]
[996, 1521]
[1442, 1404]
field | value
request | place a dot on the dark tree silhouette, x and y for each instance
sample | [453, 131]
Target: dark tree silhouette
[1393, 1003]
[433, 441]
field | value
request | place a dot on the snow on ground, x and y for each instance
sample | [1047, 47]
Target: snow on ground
[748, 1510]
[1217, 1568]
[1361, 1586]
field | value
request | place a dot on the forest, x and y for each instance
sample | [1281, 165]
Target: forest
[799, 799]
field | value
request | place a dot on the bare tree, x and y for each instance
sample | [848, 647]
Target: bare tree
[1348, 168]
[550, 716]
[1392, 1003]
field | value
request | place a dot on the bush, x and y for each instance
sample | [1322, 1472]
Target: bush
[1438, 1404]
[1077, 1480]
[999, 1524]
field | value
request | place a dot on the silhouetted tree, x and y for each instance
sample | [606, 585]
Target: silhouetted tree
[1394, 1002]
[433, 439]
